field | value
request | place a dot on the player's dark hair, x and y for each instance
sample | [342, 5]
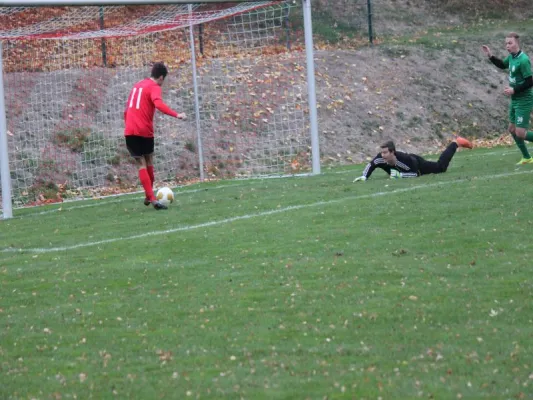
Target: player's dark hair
[389, 144]
[159, 69]
[513, 35]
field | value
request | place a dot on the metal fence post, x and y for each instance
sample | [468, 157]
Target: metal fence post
[104, 50]
[370, 33]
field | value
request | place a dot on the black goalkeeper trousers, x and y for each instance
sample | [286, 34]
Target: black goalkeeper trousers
[436, 167]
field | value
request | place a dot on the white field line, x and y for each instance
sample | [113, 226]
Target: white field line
[121, 197]
[255, 215]
[96, 202]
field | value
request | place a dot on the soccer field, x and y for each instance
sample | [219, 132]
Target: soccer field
[308, 287]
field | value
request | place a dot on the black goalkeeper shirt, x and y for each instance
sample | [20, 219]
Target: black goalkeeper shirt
[406, 164]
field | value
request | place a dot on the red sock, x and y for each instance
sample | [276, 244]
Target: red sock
[147, 184]
[150, 170]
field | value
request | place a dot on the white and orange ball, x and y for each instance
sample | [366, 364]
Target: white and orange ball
[165, 196]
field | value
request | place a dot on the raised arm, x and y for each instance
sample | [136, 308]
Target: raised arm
[497, 62]
[493, 59]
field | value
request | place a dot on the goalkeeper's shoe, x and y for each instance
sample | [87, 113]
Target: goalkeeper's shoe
[462, 142]
[147, 201]
[525, 161]
[158, 206]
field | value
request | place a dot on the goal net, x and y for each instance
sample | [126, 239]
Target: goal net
[68, 72]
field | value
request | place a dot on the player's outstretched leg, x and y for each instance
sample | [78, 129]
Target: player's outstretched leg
[444, 160]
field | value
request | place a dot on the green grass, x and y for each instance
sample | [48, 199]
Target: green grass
[327, 27]
[297, 288]
[455, 38]
[473, 22]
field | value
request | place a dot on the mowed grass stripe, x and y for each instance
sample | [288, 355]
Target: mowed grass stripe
[182, 190]
[256, 215]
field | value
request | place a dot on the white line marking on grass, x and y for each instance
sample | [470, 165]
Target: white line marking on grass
[97, 200]
[497, 153]
[177, 192]
[250, 216]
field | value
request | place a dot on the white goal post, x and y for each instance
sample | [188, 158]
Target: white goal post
[66, 74]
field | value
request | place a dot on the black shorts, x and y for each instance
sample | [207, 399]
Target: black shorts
[139, 146]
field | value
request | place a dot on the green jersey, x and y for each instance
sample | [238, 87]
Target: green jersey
[519, 69]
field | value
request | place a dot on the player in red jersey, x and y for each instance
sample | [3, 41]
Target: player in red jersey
[143, 100]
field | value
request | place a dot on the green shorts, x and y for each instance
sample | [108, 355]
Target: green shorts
[519, 113]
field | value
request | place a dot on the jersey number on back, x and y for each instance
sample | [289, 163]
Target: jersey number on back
[134, 99]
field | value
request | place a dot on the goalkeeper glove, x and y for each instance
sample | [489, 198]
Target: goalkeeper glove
[360, 178]
[395, 174]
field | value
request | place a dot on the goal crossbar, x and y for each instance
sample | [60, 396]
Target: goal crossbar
[170, 17]
[49, 3]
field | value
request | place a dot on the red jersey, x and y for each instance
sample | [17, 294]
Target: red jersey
[144, 98]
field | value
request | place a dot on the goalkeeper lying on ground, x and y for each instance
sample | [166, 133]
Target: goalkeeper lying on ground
[404, 165]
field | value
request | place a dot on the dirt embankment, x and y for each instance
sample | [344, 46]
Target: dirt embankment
[417, 97]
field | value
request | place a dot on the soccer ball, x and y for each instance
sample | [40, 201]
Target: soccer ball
[165, 196]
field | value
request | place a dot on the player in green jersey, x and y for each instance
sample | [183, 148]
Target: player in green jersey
[519, 90]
